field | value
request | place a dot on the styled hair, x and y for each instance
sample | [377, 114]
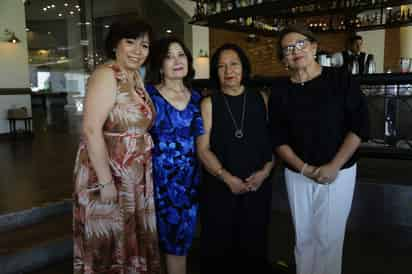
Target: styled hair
[296, 28]
[126, 30]
[214, 63]
[160, 52]
[354, 38]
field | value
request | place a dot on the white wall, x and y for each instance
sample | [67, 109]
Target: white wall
[374, 43]
[14, 67]
[406, 42]
[200, 40]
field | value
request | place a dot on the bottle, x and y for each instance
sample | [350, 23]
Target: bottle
[218, 6]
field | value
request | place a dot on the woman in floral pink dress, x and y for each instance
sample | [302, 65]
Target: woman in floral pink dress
[114, 214]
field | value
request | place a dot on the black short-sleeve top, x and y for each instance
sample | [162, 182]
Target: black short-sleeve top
[314, 118]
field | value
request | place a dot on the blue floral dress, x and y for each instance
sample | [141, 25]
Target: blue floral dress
[176, 171]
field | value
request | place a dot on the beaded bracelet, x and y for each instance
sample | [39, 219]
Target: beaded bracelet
[102, 185]
[219, 172]
[303, 168]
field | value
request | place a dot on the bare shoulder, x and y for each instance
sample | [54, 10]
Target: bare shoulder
[206, 104]
[103, 72]
[206, 101]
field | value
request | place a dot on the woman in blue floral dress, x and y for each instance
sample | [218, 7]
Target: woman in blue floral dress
[175, 166]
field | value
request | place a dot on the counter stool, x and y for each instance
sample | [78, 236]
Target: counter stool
[28, 129]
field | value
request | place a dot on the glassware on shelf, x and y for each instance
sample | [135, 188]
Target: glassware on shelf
[405, 65]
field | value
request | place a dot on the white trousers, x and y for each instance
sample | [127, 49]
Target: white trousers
[320, 213]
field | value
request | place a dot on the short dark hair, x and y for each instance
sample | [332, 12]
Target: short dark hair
[160, 52]
[297, 28]
[354, 38]
[126, 29]
[214, 63]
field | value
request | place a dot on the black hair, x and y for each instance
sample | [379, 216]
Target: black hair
[214, 63]
[126, 29]
[160, 52]
[297, 28]
[354, 38]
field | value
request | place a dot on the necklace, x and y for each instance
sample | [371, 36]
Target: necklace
[302, 82]
[238, 130]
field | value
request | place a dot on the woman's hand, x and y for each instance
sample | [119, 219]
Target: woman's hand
[255, 180]
[236, 185]
[108, 193]
[311, 172]
[326, 174]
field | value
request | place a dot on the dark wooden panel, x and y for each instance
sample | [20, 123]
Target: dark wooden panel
[14, 91]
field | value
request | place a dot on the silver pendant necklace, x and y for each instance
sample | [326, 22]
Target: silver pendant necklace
[238, 130]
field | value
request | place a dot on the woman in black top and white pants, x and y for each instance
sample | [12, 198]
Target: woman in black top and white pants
[318, 118]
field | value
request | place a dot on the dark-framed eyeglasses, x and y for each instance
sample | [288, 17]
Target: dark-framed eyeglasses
[298, 45]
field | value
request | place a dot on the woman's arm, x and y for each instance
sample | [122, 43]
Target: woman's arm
[286, 153]
[256, 179]
[100, 98]
[356, 120]
[208, 158]
[328, 173]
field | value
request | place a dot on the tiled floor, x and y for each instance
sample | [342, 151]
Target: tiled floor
[39, 170]
[385, 252]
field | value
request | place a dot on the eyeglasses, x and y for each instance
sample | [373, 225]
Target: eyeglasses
[298, 45]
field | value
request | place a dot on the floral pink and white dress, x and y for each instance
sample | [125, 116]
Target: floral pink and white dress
[119, 238]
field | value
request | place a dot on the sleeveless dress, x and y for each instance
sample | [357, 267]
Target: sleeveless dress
[176, 171]
[118, 238]
[234, 227]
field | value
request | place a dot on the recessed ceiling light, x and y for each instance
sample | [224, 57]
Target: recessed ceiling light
[53, 5]
[48, 6]
[65, 4]
[389, 8]
[169, 31]
[44, 9]
[77, 7]
[60, 14]
[49, 33]
[106, 26]
[87, 23]
[27, 29]
[71, 12]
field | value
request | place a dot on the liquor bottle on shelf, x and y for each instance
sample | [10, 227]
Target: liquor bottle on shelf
[211, 8]
[389, 17]
[333, 4]
[205, 8]
[198, 11]
[218, 6]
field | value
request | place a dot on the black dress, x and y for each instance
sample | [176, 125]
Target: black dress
[234, 227]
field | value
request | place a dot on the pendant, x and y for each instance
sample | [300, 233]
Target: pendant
[239, 133]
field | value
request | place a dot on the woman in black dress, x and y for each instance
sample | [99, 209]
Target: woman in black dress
[235, 151]
[318, 118]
